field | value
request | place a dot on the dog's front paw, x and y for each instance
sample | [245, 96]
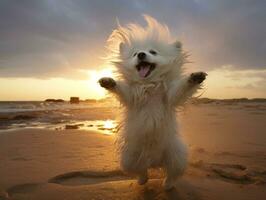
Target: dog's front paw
[107, 83]
[197, 77]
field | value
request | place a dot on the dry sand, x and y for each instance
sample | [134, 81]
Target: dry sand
[227, 161]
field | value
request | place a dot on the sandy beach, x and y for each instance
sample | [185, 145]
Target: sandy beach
[82, 80]
[227, 145]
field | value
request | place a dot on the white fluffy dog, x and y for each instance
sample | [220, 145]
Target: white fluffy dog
[151, 86]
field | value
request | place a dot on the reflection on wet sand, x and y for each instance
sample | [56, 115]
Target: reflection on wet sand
[103, 126]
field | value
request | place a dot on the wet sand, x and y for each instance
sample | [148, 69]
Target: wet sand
[227, 160]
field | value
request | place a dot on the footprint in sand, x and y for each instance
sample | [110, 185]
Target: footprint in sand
[23, 188]
[88, 177]
[76, 178]
[120, 187]
[153, 190]
[234, 173]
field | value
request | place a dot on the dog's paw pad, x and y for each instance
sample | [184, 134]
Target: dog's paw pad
[107, 82]
[197, 77]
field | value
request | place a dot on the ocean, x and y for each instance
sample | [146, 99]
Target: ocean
[88, 115]
[53, 115]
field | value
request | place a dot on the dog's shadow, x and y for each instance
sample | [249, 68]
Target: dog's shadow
[154, 191]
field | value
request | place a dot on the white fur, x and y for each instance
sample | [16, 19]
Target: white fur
[149, 136]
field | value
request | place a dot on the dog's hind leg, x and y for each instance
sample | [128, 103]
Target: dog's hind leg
[175, 163]
[131, 165]
[143, 177]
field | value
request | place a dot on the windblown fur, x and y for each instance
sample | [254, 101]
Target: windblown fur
[151, 85]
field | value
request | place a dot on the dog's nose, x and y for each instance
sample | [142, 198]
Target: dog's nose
[141, 56]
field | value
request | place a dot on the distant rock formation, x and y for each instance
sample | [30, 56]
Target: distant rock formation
[73, 126]
[23, 117]
[55, 100]
[74, 100]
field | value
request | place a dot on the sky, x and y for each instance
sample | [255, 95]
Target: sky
[54, 48]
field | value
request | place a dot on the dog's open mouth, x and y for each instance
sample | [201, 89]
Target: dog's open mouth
[145, 69]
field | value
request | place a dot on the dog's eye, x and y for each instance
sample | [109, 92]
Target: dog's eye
[153, 52]
[134, 54]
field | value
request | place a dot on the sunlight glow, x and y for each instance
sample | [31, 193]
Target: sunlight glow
[109, 124]
[94, 76]
[225, 82]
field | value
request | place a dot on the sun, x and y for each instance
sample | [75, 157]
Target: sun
[94, 76]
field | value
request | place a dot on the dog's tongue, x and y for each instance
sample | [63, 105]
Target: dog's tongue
[144, 71]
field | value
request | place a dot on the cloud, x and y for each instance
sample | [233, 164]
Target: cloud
[230, 82]
[59, 38]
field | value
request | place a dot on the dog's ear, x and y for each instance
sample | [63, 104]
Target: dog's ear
[178, 44]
